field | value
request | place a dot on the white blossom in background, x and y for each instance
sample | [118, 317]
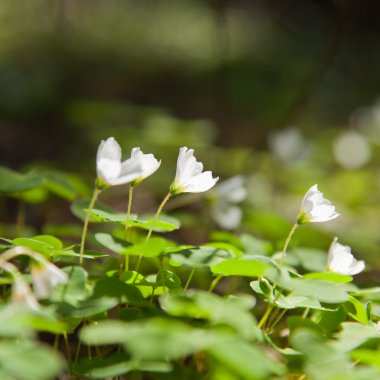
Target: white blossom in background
[315, 208]
[340, 260]
[45, 276]
[227, 195]
[22, 295]
[190, 177]
[288, 145]
[112, 171]
[351, 150]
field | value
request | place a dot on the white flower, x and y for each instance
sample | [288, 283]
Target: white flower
[22, 295]
[45, 277]
[148, 163]
[315, 208]
[232, 190]
[189, 177]
[227, 195]
[340, 260]
[111, 171]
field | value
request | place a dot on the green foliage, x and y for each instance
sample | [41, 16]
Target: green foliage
[231, 306]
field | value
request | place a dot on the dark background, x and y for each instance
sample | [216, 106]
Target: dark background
[72, 69]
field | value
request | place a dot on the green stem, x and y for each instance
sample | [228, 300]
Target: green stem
[128, 215]
[189, 279]
[127, 223]
[214, 283]
[68, 351]
[305, 313]
[283, 253]
[272, 326]
[163, 203]
[137, 267]
[56, 343]
[265, 316]
[85, 226]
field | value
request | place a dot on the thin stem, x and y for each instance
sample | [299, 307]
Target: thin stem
[127, 223]
[56, 343]
[214, 283]
[128, 215]
[137, 266]
[265, 316]
[189, 279]
[283, 253]
[68, 351]
[85, 226]
[305, 313]
[163, 203]
[78, 350]
[274, 324]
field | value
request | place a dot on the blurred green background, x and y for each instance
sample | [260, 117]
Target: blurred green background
[283, 92]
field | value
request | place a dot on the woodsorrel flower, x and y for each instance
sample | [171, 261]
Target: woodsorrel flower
[224, 202]
[340, 260]
[315, 208]
[22, 295]
[112, 171]
[189, 177]
[45, 276]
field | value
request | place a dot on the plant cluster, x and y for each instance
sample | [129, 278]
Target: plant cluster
[142, 306]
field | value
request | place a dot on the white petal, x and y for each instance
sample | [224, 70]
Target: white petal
[108, 159]
[316, 207]
[356, 267]
[199, 183]
[108, 169]
[233, 189]
[22, 295]
[109, 149]
[227, 216]
[341, 260]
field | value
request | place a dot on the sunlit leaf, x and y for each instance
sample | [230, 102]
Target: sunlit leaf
[240, 267]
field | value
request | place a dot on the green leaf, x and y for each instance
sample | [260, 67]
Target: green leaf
[255, 246]
[115, 288]
[168, 279]
[311, 259]
[151, 248]
[113, 244]
[78, 209]
[233, 311]
[75, 288]
[12, 181]
[323, 362]
[290, 301]
[366, 356]
[245, 360]
[108, 216]
[240, 267]
[356, 310]
[200, 256]
[353, 335]
[45, 244]
[163, 224]
[323, 291]
[330, 276]
[25, 360]
[117, 365]
[88, 308]
[155, 339]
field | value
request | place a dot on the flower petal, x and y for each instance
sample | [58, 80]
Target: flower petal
[201, 182]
